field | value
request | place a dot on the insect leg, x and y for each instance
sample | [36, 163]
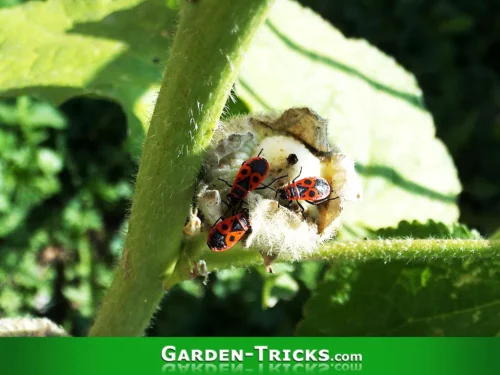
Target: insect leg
[322, 201]
[219, 219]
[228, 208]
[260, 152]
[240, 205]
[269, 185]
[302, 209]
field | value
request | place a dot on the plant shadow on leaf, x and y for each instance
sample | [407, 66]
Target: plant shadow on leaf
[254, 94]
[126, 65]
[409, 98]
[397, 179]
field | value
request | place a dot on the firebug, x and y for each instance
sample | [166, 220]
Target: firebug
[313, 190]
[250, 175]
[226, 233]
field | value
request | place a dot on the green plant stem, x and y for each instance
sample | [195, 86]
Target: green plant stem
[363, 250]
[204, 61]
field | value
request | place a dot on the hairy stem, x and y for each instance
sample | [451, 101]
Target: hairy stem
[203, 64]
[363, 250]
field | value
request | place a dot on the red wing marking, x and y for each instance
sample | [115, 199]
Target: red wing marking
[234, 237]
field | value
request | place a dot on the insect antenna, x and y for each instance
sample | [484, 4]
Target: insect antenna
[297, 176]
[227, 183]
[268, 186]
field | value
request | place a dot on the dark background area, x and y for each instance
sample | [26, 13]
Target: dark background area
[450, 46]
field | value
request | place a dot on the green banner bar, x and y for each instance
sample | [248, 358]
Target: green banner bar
[423, 356]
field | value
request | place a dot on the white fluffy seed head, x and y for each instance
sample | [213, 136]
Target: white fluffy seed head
[277, 230]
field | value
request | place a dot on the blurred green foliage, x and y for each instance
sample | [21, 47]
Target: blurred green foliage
[66, 182]
[9, 3]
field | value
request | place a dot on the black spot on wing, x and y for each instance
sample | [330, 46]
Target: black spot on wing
[217, 241]
[255, 180]
[259, 166]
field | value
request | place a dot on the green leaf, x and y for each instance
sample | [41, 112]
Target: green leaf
[430, 229]
[28, 175]
[107, 48]
[9, 3]
[397, 299]
[49, 161]
[24, 281]
[375, 110]
[228, 281]
[310, 273]
[278, 286]
[31, 114]
[495, 235]
[424, 298]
